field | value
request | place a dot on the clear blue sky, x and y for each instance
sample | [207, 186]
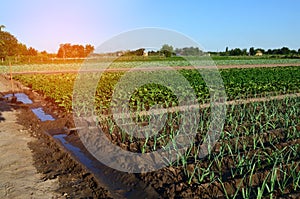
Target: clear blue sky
[214, 24]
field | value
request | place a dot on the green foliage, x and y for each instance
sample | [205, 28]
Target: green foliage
[9, 44]
[234, 52]
[167, 50]
[70, 51]
[252, 51]
[47, 85]
[189, 51]
[239, 84]
[32, 52]
[138, 52]
[254, 82]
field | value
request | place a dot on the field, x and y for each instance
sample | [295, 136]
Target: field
[257, 153]
[123, 63]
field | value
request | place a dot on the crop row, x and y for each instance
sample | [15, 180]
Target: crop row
[238, 83]
[130, 64]
[257, 153]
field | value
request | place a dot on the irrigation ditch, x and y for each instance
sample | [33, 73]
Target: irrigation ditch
[58, 153]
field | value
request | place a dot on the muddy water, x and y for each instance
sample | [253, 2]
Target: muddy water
[75, 150]
[39, 112]
[21, 97]
[119, 184]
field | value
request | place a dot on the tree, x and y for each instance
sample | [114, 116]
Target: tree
[88, 49]
[32, 51]
[139, 52]
[77, 51]
[252, 51]
[226, 53]
[285, 51]
[235, 52]
[153, 53]
[64, 50]
[22, 49]
[44, 52]
[71, 51]
[269, 52]
[61, 51]
[189, 51]
[244, 52]
[167, 50]
[9, 44]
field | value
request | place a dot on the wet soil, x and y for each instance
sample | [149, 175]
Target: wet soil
[54, 162]
[50, 159]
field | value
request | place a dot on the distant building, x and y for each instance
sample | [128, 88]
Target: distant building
[145, 54]
[258, 53]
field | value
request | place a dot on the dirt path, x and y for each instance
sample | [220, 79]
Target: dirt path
[18, 176]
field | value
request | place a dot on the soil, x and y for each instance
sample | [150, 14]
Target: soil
[32, 164]
[19, 178]
[70, 179]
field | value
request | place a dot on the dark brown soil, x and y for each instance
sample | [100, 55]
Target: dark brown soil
[50, 158]
[54, 162]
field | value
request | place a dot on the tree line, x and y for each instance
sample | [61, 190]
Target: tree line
[74, 51]
[11, 47]
[254, 51]
[168, 51]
